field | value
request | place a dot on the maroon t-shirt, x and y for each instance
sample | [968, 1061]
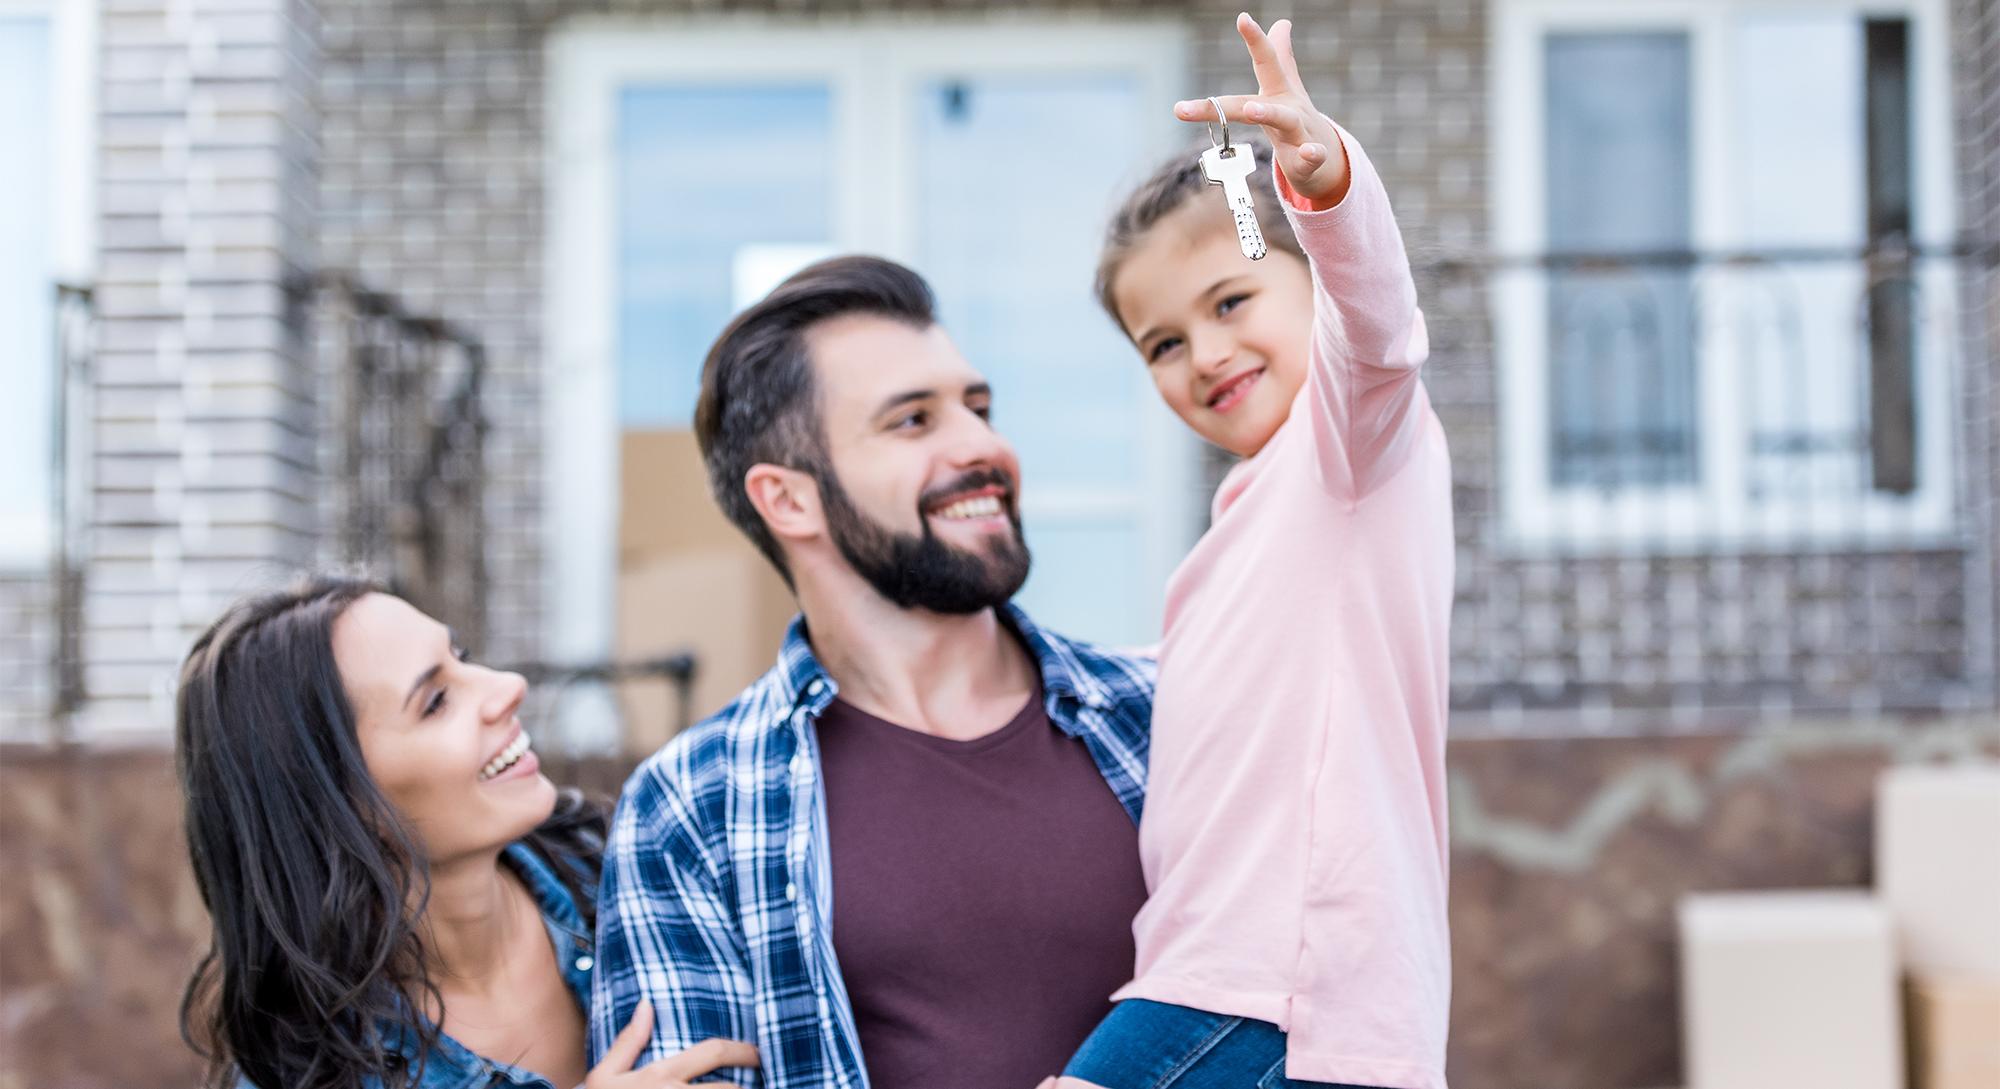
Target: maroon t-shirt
[983, 896]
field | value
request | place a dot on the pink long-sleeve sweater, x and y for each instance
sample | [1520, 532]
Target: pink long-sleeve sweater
[1294, 838]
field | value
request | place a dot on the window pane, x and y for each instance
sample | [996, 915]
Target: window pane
[697, 226]
[1801, 156]
[1622, 361]
[27, 290]
[1011, 251]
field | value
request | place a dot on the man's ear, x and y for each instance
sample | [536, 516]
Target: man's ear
[787, 499]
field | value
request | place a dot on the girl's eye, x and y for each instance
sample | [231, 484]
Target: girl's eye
[434, 704]
[914, 419]
[458, 652]
[1230, 303]
[1162, 347]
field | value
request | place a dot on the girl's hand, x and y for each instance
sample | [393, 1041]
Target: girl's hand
[675, 1071]
[1306, 146]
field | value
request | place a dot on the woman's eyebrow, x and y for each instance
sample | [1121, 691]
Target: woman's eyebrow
[423, 679]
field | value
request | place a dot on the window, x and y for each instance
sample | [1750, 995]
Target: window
[899, 138]
[1694, 348]
[45, 239]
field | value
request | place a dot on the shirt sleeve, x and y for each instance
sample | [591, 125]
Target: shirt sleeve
[666, 932]
[1365, 401]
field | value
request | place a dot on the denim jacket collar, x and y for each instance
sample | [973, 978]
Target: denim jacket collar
[452, 1065]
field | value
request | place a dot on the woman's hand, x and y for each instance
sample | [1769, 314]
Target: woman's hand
[675, 1071]
[1307, 148]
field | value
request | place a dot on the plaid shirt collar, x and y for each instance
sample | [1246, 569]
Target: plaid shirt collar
[807, 683]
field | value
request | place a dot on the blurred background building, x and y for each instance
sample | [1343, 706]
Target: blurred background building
[425, 286]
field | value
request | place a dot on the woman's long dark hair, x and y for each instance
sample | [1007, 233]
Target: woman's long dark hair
[315, 978]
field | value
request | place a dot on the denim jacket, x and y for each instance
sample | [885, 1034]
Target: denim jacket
[452, 1065]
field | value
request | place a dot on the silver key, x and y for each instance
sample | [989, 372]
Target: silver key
[1230, 168]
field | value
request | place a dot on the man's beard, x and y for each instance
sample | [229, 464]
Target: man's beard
[919, 571]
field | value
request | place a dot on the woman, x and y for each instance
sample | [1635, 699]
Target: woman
[399, 898]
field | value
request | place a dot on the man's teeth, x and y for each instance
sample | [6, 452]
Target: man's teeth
[984, 507]
[515, 750]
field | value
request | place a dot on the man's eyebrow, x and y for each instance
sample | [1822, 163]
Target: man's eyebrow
[423, 679]
[904, 398]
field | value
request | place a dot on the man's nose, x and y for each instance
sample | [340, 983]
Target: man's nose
[974, 441]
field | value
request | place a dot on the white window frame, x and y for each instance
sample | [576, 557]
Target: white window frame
[1538, 516]
[863, 60]
[27, 540]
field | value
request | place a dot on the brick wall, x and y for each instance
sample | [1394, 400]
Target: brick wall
[432, 188]
[403, 142]
[202, 386]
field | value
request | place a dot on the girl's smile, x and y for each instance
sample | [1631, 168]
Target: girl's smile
[1224, 338]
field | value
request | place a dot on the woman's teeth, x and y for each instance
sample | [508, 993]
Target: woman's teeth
[984, 507]
[513, 752]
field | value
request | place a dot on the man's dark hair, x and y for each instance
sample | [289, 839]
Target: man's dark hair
[758, 399]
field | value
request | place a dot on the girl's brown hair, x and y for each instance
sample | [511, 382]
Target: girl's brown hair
[1173, 184]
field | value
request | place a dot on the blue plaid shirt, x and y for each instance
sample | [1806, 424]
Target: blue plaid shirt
[717, 895]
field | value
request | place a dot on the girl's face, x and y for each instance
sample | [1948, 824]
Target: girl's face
[439, 734]
[1225, 338]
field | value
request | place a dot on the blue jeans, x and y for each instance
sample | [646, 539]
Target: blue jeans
[1152, 1045]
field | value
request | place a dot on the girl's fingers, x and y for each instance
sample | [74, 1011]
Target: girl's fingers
[1281, 38]
[1284, 122]
[1271, 74]
[1200, 109]
[1287, 123]
[631, 1040]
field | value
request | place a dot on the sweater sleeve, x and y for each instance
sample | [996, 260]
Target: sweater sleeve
[1363, 397]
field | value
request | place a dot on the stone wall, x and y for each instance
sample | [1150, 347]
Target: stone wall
[1567, 859]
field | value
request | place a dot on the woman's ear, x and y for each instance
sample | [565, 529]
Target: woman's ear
[787, 499]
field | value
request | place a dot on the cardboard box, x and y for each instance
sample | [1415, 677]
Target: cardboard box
[688, 580]
[1937, 861]
[730, 610]
[665, 505]
[1954, 1033]
[1790, 989]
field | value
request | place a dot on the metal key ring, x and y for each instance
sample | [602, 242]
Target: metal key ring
[1217, 103]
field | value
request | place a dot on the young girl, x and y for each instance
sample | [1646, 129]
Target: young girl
[1294, 832]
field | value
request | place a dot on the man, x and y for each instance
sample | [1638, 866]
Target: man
[907, 856]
